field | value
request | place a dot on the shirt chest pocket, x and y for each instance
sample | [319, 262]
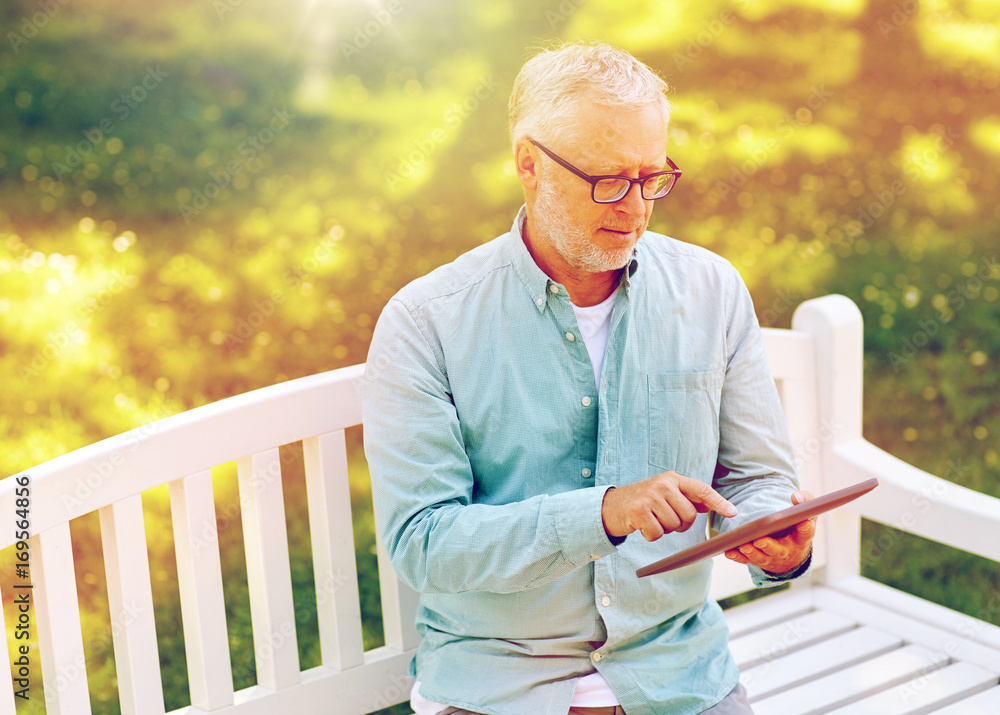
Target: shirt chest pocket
[684, 419]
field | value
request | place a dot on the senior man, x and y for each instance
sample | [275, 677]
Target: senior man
[533, 404]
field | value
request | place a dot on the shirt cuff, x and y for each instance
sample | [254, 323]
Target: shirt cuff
[762, 578]
[580, 527]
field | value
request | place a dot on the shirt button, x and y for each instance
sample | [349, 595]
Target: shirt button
[540, 302]
[596, 657]
[595, 556]
[586, 472]
[606, 601]
[570, 337]
[554, 289]
[586, 401]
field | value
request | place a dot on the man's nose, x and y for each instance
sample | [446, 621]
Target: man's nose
[632, 202]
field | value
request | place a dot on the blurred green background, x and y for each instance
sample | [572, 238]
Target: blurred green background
[202, 198]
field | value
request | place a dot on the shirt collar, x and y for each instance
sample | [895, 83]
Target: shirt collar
[534, 279]
[632, 266]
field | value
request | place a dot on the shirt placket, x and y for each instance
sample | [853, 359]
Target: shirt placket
[585, 412]
[606, 596]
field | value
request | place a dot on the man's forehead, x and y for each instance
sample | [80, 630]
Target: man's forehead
[610, 136]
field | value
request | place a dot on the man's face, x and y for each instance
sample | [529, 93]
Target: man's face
[596, 237]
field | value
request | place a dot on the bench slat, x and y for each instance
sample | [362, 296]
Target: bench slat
[851, 684]
[940, 687]
[788, 637]
[918, 609]
[399, 603]
[787, 671]
[269, 576]
[199, 578]
[770, 610]
[57, 608]
[844, 599]
[338, 605]
[985, 703]
[130, 599]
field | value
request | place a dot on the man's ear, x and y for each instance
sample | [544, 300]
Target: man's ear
[526, 164]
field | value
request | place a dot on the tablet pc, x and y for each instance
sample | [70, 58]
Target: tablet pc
[764, 526]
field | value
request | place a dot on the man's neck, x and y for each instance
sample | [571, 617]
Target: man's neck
[584, 288]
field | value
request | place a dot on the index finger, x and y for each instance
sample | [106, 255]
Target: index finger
[702, 493]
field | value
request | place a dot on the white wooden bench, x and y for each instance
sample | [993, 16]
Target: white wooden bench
[835, 643]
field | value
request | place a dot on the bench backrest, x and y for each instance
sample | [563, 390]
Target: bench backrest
[109, 477]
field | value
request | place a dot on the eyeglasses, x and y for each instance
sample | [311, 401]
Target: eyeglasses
[609, 189]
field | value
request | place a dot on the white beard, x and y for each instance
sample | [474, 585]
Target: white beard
[572, 239]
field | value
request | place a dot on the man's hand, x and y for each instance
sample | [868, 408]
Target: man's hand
[782, 553]
[658, 505]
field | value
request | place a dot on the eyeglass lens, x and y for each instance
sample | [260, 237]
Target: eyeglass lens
[609, 190]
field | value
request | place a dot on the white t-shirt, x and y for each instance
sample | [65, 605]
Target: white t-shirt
[592, 691]
[594, 322]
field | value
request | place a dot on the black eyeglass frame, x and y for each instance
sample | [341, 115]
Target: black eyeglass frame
[594, 180]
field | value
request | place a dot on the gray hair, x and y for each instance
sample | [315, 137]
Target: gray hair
[550, 86]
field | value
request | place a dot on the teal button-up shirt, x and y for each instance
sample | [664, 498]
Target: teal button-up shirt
[490, 451]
